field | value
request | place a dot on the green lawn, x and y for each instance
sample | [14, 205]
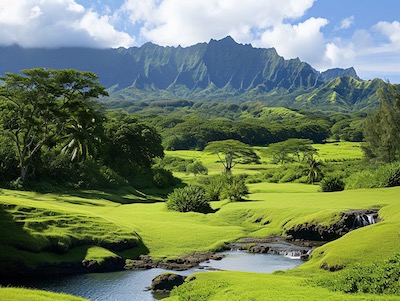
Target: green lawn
[239, 286]
[19, 294]
[74, 226]
[335, 151]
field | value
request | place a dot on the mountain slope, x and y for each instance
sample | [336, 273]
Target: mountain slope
[219, 71]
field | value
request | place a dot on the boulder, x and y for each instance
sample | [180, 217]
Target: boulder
[166, 282]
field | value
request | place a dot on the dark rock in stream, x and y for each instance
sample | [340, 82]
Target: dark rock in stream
[107, 265]
[276, 245]
[177, 264]
[166, 282]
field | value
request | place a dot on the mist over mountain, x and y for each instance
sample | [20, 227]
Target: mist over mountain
[216, 71]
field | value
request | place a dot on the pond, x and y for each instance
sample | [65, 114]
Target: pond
[132, 285]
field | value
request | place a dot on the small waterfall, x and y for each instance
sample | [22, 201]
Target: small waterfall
[371, 219]
[362, 220]
[293, 254]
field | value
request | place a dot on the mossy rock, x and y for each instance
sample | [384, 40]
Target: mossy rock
[167, 281]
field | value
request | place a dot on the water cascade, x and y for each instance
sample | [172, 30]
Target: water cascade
[362, 220]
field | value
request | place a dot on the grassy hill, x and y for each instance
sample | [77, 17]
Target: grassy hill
[40, 228]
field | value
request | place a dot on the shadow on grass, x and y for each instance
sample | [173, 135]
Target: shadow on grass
[134, 253]
[122, 195]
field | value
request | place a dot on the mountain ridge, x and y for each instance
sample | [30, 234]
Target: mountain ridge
[221, 70]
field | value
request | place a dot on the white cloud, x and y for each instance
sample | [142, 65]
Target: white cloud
[390, 30]
[56, 23]
[176, 22]
[303, 40]
[264, 23]
[346, 23]
[374, 52]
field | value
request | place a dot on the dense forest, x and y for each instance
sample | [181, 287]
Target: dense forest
[53, 130]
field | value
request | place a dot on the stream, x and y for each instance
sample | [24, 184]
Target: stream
[132, 285]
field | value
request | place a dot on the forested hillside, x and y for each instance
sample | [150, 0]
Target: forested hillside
[223, 71]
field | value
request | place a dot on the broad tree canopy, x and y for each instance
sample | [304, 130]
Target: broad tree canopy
[291, 148]
[41, 107]
[231, 152]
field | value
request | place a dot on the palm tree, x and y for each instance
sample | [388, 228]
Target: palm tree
[82, 138]
[313, 168]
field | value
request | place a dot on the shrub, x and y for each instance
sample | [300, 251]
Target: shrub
[235, 189]
[332, 183]
[189, 198]
[196, 168]
[393, 175]
[387, 175]
[213, 187]
[163, 178]
[376, 278]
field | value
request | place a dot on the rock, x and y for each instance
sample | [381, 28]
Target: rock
[108, 264]
[347, 222]
[166, 282]
[260, 249]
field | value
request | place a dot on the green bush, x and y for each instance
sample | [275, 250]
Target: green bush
[393, 173]
[332, 183]
[213, 187]
[189, 198]
[235, 189]
[376, 278]
[387, 175]
[197, 168]
[163, 178]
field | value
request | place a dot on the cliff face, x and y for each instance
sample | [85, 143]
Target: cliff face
[220, 63]
[216, 70]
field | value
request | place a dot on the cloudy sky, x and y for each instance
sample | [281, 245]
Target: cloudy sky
[325, 33]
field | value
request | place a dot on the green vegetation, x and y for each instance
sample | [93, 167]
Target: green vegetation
[19, 294]
[238, 286]
[375, 175]
[60, 137]
[52, 131]
[382, 127]
[377, 278]
[332, 183]
[189, 198]
[43, 107]
[232, 152]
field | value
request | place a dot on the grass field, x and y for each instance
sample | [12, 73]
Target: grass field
[19, 294]
[91, 225]
[335, 151]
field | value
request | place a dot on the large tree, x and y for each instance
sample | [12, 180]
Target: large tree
[39, 106]
[287, 150]
[131, 145]
[382, 127]
[231, 152]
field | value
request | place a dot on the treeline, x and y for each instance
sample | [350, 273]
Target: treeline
[194, 132]
[52, 130]
[191, 125]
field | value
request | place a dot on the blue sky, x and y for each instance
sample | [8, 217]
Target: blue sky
[364, 34]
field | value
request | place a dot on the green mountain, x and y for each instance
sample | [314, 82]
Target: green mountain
[216, 71]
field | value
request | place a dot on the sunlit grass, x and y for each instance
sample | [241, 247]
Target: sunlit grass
[239, 286]
[90, 221]
[19, 294]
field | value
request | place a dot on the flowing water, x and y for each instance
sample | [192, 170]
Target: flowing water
[133, 285]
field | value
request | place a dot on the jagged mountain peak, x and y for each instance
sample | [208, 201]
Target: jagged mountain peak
[219, 70]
